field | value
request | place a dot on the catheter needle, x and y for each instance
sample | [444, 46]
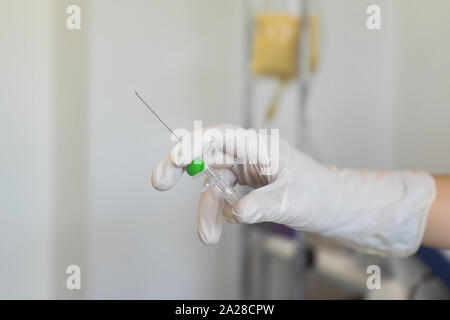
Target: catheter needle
[156, 115]
[198, 165]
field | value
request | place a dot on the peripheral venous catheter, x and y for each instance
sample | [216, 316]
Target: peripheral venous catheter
[198, 167]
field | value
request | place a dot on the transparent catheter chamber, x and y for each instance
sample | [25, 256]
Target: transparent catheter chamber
[214, 178]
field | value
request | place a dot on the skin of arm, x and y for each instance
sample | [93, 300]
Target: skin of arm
[437, 230]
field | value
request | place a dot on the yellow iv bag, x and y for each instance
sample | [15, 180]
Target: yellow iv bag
[275, 45]
[275, 49]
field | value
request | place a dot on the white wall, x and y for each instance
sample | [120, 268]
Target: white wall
[142, 244]
[70, 146]
[25, 158]
[183, 57]
[381, 98]
[422, 100]
[351, 100]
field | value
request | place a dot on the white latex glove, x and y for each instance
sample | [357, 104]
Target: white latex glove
[380, 212]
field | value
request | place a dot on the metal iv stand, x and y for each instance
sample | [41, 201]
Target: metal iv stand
[257, 255]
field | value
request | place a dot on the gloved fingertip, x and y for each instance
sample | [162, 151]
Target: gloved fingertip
[159, 183]
[210, 214]
[209, 238]
[165, 175]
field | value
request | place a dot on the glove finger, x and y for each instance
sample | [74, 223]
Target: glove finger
[209, 221]
[228, 213]
[165, 174]
[260, 205]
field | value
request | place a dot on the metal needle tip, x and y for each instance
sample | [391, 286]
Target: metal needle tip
[156, 115]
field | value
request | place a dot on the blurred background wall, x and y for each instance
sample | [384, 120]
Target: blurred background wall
[26, 131]
[184, 58]
[422, 74]
[78, 148]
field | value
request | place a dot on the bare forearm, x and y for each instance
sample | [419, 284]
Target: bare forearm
[437, 231]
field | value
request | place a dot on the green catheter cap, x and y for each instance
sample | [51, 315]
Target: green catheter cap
[196, 166]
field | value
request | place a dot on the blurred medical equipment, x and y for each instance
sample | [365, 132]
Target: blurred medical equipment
[275, 45]
[198, 166]
[278, 39]
[282, 47]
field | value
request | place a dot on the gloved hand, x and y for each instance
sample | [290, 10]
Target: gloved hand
[380, 212]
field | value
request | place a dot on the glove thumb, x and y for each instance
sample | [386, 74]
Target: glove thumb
[260, 205]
